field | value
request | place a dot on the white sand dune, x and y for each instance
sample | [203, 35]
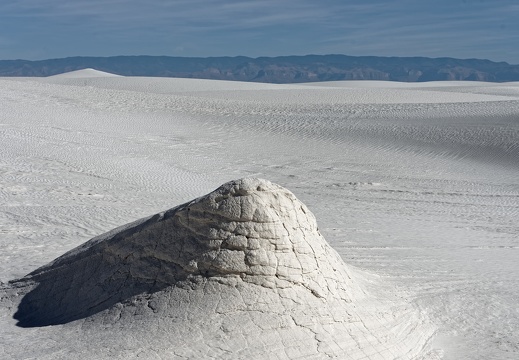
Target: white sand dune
[84, 73]
[336, 93]
[413, 184]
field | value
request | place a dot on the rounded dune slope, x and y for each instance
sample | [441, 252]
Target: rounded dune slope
[83, 73]
[242, 272]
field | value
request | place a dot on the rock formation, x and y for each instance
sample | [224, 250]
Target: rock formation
[242, 272]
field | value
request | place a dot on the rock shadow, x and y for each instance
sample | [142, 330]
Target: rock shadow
[94, 277]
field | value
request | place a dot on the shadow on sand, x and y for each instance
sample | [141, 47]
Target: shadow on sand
[93, 278]
[58, 300]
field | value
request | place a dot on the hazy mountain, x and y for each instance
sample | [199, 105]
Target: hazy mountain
[283, 69]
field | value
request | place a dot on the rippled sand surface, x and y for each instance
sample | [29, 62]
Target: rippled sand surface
[414, 184]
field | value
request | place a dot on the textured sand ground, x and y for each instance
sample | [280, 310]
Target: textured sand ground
[413, 183]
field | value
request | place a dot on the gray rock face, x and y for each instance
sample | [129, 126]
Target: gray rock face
[249, 230]
[240, 272]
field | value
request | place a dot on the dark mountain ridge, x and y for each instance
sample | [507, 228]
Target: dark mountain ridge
[281, 69]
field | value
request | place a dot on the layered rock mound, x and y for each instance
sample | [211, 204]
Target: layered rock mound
[242, 272]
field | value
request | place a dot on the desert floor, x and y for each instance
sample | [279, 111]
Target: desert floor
[416, 184]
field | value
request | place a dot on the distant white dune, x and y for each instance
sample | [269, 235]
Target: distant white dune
[84, 73]
[339, 92]
[414, 185]
[162, 85]
[397, 84]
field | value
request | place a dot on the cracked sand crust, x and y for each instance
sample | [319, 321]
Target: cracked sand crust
[240, 272]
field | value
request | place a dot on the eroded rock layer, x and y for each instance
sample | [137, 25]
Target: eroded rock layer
[242, 272]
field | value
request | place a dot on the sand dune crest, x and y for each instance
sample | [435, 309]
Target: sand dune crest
[84, 73]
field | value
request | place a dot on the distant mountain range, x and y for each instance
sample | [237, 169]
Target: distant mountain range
[282, 69]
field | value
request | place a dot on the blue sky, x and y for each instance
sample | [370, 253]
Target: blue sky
[42, 29]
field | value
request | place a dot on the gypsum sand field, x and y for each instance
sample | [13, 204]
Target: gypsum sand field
[414, 185]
